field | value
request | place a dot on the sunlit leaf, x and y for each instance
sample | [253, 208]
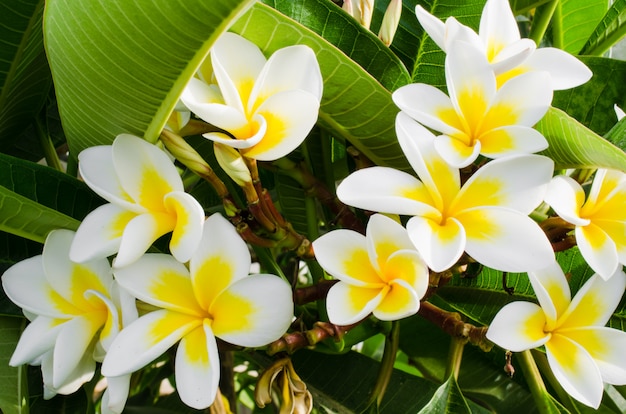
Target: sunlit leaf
[609, 30]
[578, 20]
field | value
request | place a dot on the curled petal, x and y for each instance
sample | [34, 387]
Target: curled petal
[505, 240]
[139, 235]
[598, 249]
[441, 245]
[189, 222]
[399, 302]
[432, 25]
[456, 152]
[565, 70]
[347, 304]
[512, 56]
[511, 140]
[384, 237]
[518, 326]
[37, 339]
[145, 340]
[207, 103]
[575, 370]
[386, 190]
[344, 255]
[114, 397]
[290, 116]
[83, 372]
[595, 302]
[566, 197]
[100, 233]
[221, 259]
[253, 311]
[162, 281]
[197, 368]
[552, 291]
[146, 173]
[249, 142]
[407, 266]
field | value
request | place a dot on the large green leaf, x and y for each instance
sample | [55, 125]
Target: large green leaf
[578, 20]
[609, 30]
[120, 66]
[447, 399]
[522, 6]
[355, 106]
[24, 75]
[572, 145]
[13, 386]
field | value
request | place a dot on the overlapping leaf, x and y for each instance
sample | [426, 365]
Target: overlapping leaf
[609, 30]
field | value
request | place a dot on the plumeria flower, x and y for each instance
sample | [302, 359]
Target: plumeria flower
[581, 351]
[76, 310]
[600, 220]
[146, 200]
[267, 106]
[498, 39]
[379, 273]
[213, 297]
[477, 118]
[487, 217]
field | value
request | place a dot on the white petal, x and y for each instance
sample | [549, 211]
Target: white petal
[237, 63]
[146, 173]
[100, 233]
[399, 302]
[409, 269]
[189, 222]
[498, 24]
[595, 302]
[162, 281]
[139, 234]
[566, 197]
[204, 101]
[432, 25]
[575, 370]
[518, 326]
[114, 397]
[384, 237]
[440, 245]
[513, 55]
[512, 140]
[565, 70]
[598, 249]
[289, 68]
[386, 190]
[197, 368]
[82, 373]
[505, 240]
[221, 259]
[523, 100]
[429, 106]
[71, 345]
[606, 347]
[456, 152]
[459, 33]
[221, 138]
[37, 339]
[253, 311]
[145, 340]
[344, 255]
[98, 171]
[347, 304]
[552, 291]
[290, 116]
[517, 182]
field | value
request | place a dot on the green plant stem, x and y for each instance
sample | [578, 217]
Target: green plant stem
[386, 365]
[455, 355]
[50, 153]
[543, 15]
[544, 368]
[535, 382]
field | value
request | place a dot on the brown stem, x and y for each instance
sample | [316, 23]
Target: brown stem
[291, 342]
[312, 293]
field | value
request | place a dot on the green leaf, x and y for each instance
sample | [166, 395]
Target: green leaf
[523, 6]
[120, 66]
[578, 20]
[448, 399]
[13, 385]
[592, 103]
[572, 145]
[24, 75]
[355, 106]
[609, 30]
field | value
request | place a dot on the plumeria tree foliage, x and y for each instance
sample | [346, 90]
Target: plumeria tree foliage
[312, 206]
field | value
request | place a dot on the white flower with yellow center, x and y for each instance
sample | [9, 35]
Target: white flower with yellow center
[268, 106]
[581, 351]
[600, 220]
[487, 217]
[498, 39]
[477, 118]
[146, 200]
[76, 310]
[212, 298]
[380, 273]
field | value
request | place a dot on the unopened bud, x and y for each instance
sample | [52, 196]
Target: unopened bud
[361, 10]
[233, 164]
[391, 19]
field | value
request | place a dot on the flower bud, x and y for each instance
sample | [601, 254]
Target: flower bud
[391, 19]
[233, 164]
